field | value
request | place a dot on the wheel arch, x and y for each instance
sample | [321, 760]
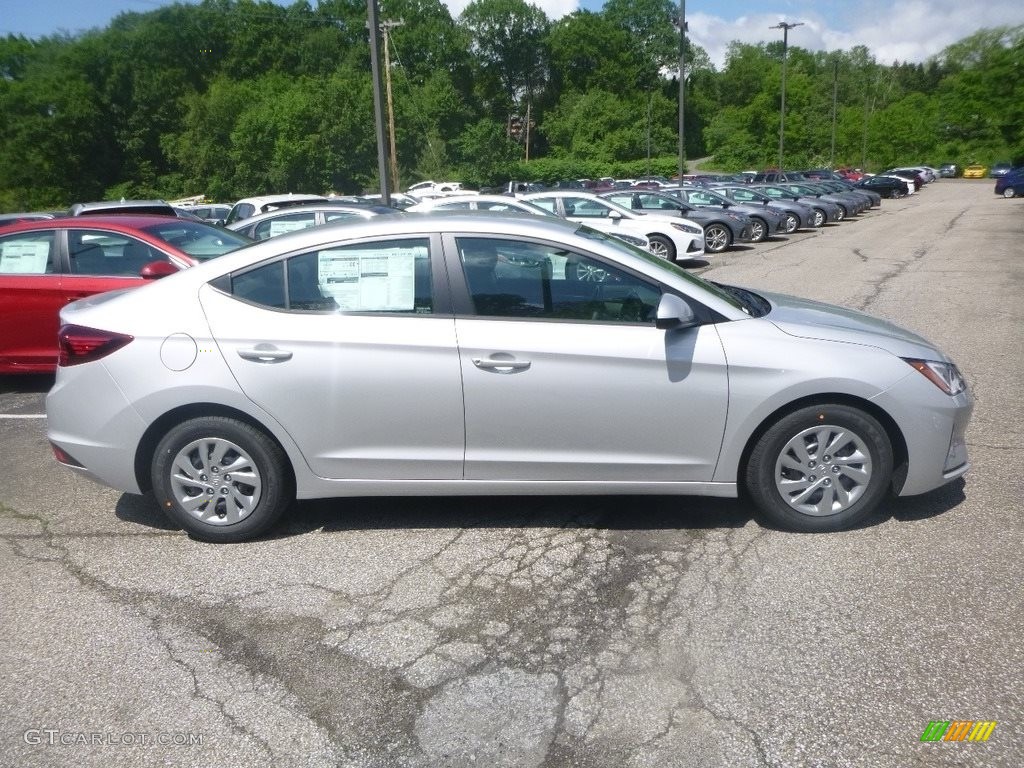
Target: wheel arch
[153, 434]
[892, 430]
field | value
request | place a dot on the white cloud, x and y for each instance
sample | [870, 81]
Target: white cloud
[555, 9]
[893, 30]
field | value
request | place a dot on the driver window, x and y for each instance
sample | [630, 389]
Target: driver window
[509, 278]
[95, 252]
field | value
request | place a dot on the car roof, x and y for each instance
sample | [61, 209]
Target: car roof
[259, 200]
[121, 222]
[288, 210]
[117, 206]
[513, 227]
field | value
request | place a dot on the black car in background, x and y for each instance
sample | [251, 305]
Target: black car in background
[886, 186]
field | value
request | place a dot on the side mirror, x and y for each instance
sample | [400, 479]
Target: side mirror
[157, 269]
[614, 215]
[674, 313]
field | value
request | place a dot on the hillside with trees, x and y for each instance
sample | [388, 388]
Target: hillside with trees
[230, 98]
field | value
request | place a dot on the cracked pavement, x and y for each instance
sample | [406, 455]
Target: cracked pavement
[621, 632]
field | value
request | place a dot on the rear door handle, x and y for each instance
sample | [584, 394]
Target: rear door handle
[501, 366]
[265, 353]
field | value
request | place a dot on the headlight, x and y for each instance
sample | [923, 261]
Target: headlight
[687, 228]
[945, 376]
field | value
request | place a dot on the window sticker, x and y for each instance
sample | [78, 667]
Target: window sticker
[24, 257]
[371, 280]
[283, 226]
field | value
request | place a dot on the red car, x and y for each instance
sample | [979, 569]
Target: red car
[46, 264]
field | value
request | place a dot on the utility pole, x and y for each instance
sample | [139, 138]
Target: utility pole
[385, 28]
[682, 88]
[373, 26]
[835, 101]
[527, 130]
[782, 113]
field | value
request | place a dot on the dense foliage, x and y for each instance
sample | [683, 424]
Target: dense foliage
[234, 97]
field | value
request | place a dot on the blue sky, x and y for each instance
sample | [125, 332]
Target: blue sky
[894, 30]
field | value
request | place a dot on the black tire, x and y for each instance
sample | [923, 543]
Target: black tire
[717, 237]
[792, 223]
[662, 246]
[206, 500]
[898, 193]
[758, 230]
[838, 491]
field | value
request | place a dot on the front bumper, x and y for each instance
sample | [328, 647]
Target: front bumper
[933, 426]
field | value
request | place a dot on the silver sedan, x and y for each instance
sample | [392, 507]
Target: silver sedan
[480, 355]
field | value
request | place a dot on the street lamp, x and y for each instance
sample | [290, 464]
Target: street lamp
[782, 111]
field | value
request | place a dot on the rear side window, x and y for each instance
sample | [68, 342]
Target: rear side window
[280, 225]
[390, 276]
[27, 253]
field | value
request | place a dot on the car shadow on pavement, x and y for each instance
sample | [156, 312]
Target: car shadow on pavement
[143, 510]
[612, 513]
[22, 383]
[598, 512]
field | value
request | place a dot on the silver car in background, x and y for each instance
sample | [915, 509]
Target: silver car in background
[466, 354]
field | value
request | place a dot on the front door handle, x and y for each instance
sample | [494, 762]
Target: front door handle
[501, 366]
[265, 353]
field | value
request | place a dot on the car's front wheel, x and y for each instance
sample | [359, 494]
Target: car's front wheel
[662, 247]
[792, 223]
[1009, 192]
[716, 238]
[820, 217]
[821, 468]
[758, 229]
[221, 479]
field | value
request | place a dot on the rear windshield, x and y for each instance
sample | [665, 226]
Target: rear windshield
[198, 240]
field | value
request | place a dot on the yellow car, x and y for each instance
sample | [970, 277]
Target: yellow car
[975, 172]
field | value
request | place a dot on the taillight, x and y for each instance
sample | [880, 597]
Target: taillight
[79, 344]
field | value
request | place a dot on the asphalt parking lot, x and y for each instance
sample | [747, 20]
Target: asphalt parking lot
[610, 632]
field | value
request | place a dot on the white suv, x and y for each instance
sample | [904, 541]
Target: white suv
[250, 206]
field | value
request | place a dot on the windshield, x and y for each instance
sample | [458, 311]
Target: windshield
[198, 240]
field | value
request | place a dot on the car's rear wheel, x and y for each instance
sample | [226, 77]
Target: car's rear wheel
[758, 229]
[821, 468]
[662, 247]
[820, 217]
[1009, 192]
[897, 193]
[792, 223]
[221, 479]
[716, 238]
